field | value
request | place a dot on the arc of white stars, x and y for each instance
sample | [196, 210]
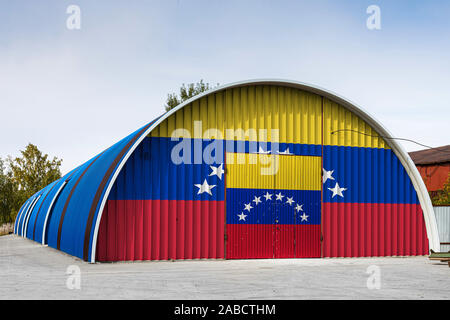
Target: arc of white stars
[280, 196]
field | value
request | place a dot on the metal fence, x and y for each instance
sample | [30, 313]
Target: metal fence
[442, 214]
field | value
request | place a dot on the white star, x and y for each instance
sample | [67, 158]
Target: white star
[205, 187]
[242, 216]
[299, 207]
[304, 217]
[285, 151]
[290, 200]
[327, 175]
[261, 150]
[279, 197]
[268, 196]
[217, 171]
[248, 206]
[337, 190]
[257, 200]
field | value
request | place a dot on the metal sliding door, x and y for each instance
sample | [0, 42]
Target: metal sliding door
[273, 216]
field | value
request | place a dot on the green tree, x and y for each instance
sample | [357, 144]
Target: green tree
[186, 92]
[31, 172]
[7, 194]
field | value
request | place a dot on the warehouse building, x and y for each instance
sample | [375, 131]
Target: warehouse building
[254, 169]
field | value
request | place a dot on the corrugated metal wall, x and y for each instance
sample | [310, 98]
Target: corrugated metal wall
[296, 118]
[442, 214]
[64, 217]
[155, 213]
[377, 212]
[366, 207]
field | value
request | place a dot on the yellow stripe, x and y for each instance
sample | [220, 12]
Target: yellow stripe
[295, 115]
[257, 171]
[336, 117]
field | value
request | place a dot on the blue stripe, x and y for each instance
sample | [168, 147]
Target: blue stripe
[144, 176]
[150, 174]
[370, 175]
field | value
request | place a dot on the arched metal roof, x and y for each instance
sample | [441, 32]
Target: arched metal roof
[82, 194]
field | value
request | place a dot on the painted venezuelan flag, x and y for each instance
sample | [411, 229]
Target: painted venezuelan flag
[159, 209]
[177, 210]
[338, 189]
[265, 205]
[273, 205]
[370, 207]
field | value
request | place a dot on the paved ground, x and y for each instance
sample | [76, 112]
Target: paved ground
[31, 271]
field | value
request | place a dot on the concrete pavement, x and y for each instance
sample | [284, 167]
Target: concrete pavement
[31, 271]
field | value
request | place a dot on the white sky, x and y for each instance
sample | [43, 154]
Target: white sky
[74, 93]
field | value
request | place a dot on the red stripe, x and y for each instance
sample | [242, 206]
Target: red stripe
[189, 234]
[365, 230]
[307, 241]
[121, 231]
[260, 241]
[146, 236]
[130, 222]
[110, 229]
[101, 248]
[161, 230]
[180, 229]
[164, 230]
[157, 230]
[139, 231]
[212, 236]
[249, 241]
[205, 230]
[172, 229]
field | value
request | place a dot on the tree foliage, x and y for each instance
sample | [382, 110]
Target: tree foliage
[7, 194]
[23, 176]
[186, 92]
